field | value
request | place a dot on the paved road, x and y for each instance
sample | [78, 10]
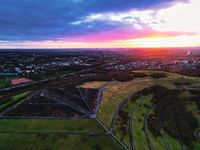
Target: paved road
[100, 94]
[114, 118]
[183, 146]
[167, 146]
[146, 128]
[131, 129]
[34, 83]
[165, 140]
[108, 132]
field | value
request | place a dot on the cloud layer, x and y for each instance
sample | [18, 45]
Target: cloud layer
[56, 19]
[95, 21]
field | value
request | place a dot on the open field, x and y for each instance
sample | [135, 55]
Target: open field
[154, 110]
[114, 95]
[93, 85]
[65, 142]
[9, 101]
[5, 82]
[54, 125]
[122, 125]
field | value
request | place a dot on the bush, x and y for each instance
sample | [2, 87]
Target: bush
[138, 74]
[158, 75]
[182, 83]
[171, 113]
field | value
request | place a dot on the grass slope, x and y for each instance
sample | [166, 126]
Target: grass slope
[49, 125]
[67, 142]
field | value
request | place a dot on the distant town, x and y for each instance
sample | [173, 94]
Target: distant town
[35, 65]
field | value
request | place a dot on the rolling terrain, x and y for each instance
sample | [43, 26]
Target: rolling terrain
[142, 110]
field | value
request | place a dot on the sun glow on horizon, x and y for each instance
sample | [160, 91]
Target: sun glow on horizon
[177, 41]
[151, 42]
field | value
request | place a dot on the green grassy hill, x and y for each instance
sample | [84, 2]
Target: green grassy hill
[155, 110]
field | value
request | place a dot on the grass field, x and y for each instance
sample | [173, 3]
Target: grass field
[93, 85]
[112, 97]
[19, 96]
[139, 112]
[66, 142]
[14, 99]
[49, 125]
[5, 82]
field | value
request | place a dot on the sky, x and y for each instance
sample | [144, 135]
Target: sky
[99, 23]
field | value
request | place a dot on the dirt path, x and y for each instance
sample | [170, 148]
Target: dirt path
[131, 129]
[146, 128]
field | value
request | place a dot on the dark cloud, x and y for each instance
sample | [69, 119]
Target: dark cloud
[51, 19]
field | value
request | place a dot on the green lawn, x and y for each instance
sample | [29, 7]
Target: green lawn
[5, 82]
[113, 96]
[169, 74]
[14, 99]
[174, 144]
[94, 84]
[197, 146]
[138, 118]
[49, 125]
[138, 124]
[19, 96]
[191, 106]
[66, 142]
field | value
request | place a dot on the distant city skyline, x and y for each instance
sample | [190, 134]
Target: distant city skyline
[99, 23]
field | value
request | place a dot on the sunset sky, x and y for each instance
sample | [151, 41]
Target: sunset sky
[99, 23]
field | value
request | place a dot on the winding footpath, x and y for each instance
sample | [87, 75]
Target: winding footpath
[165, 140]
[167, 146]
[131, 129]
[146, 128]
[108, 131]
[100, 94]
[36, 83]
[114, 118]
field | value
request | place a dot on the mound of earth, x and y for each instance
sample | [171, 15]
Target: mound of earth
[55, 102]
